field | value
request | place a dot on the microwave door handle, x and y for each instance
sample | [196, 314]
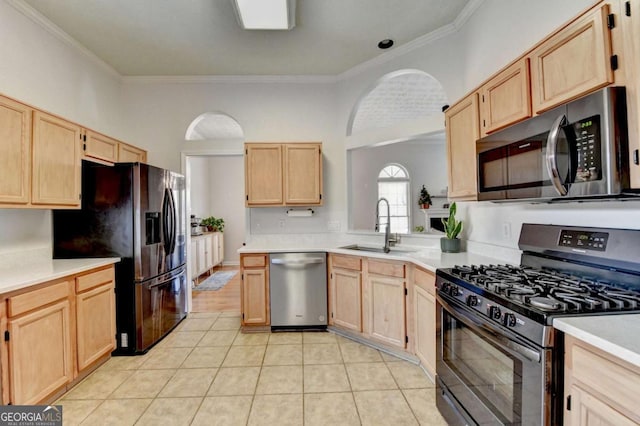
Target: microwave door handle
[552, 145]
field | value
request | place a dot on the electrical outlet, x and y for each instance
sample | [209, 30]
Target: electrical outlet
[506, 230]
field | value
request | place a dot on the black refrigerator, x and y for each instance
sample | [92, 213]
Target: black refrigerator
[136, 212]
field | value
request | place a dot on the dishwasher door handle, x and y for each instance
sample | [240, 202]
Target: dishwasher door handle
[298, 262]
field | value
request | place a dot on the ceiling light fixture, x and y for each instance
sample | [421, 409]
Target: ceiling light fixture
[266, 14]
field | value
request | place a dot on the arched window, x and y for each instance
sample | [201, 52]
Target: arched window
[393, 184]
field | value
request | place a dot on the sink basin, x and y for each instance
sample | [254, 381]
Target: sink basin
[376, 249]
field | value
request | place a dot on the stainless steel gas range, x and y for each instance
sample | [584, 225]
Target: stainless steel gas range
[499, 360]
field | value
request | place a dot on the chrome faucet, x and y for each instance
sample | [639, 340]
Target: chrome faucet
[387, 232]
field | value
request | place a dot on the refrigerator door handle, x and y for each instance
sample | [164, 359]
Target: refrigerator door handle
[166, 213]
[174, 222]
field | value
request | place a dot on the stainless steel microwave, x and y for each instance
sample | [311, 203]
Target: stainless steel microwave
[576, 151]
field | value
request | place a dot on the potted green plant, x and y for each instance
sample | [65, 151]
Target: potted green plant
[425, 198]
[213, 224]
[452, 227]
[419, 228]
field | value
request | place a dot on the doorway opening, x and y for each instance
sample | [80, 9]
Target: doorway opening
[214, 172]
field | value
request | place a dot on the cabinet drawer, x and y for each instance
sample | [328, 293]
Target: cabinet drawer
[425, 280]
[34, 299]
[254, 261]
[386, 268]
[86, 282]
[347, 262]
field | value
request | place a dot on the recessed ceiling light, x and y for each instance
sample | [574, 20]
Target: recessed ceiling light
[266, 14]
[385, 44]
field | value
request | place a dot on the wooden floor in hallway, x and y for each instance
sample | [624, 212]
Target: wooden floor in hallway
[227, 299]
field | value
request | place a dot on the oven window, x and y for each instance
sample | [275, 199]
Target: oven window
[494, 376]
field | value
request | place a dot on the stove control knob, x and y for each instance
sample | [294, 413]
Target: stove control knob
[494, 312]
[444, 287]
[509, 319]
[472, 300]
[454, 291]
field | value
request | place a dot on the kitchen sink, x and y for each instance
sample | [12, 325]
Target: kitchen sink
[376, 249]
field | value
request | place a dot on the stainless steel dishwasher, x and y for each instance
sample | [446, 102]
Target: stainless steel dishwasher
[298, 290]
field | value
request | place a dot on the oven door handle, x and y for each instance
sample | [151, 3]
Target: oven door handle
[486, 330]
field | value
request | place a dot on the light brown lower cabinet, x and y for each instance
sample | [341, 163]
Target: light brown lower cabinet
[424, 314]
[254, 291]
[95, 316]
[387, 309]
[55, 335]
[40, 352]
[600, 389]
[345, 292]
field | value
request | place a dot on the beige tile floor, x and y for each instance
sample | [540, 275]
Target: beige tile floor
[208, 373]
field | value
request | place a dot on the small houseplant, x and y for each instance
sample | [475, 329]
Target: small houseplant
[419, 228]
[425, 198]
[213, 224]
[452, 227]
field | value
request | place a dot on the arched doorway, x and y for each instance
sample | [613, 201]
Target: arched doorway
[214, 169]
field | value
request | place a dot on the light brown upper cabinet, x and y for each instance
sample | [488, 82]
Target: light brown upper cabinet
[55, 177]
[630, 25]
[573, 62]
[461, 121]
[506, 98]
[15, 150]
[101, 147]
[263, 174]
[303, 174]
[283, 174]
[131, 154]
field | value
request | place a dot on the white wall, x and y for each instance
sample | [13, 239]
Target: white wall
[160, 113]
[40, 70]
[199, 187]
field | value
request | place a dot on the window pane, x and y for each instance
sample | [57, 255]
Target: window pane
[397, 195]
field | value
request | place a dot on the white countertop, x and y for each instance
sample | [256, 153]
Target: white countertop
[615, 334]
[426, 257]
[16, 274]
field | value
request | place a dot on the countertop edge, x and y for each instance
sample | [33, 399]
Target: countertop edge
[54, 269]
[581, 328]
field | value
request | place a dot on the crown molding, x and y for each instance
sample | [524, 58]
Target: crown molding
[199, 79]
[42, 21]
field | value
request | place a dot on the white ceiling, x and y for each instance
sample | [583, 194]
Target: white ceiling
[202, 37]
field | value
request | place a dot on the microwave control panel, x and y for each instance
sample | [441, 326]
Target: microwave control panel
[585, 240]
[587, 133]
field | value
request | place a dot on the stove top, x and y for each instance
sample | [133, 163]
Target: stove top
[548, 290]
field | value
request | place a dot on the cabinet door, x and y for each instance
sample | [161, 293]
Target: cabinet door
[15, 149]
[387, 310]
[40, 353]
[263, 174]
[56, 161]
[346, 297]
[425, 328]
[131, 154]
[201, 254]
[255, 302]
[587, 410]
[506, 98]
[220, 248]
[573, 62]
[96, 323]
[303, 174]
[100, 147]
[462, 133]
[209, 251]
